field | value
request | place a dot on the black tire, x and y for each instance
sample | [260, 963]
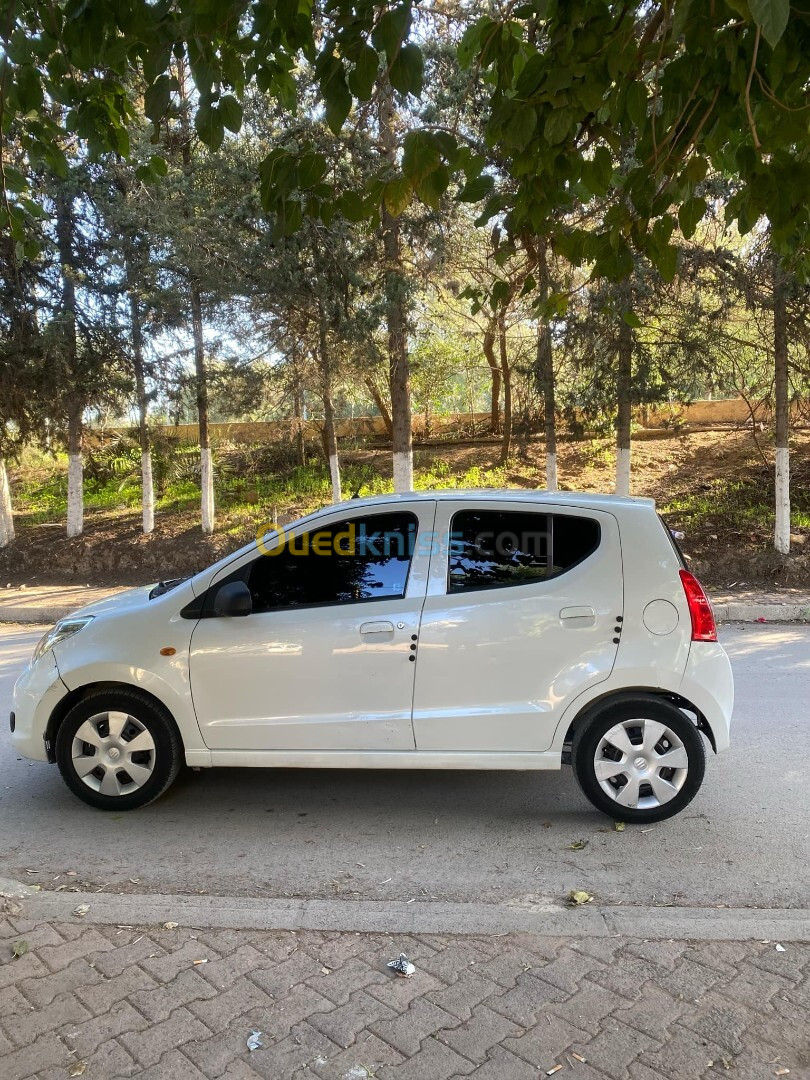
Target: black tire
[164, 760]
[648, 707]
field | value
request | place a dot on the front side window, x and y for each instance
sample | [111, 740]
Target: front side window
[491, 549]
[363, 558]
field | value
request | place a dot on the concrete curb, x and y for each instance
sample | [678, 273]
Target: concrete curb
[727, 612]
[35, 616]
[771, 613]
[369, 916]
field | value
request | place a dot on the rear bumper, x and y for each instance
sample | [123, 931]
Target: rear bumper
[709, 685]
[36, 693]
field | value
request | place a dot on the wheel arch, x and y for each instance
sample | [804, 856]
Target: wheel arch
[633, 693]
[73, 697]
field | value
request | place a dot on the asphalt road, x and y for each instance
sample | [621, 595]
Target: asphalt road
[495, 837]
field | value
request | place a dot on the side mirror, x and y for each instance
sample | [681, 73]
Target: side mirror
[233, 600]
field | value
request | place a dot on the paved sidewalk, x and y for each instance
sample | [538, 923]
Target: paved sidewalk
[48, 603]
[106, 1001]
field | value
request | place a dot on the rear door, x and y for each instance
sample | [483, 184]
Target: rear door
[520, 617]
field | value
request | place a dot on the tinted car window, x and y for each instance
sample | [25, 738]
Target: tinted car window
[492, 549]
[366, 558]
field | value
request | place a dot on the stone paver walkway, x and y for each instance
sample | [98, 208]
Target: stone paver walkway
[108, 1002]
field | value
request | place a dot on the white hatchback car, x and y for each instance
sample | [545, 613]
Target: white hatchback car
[444, 630]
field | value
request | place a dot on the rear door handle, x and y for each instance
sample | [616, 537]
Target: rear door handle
[375, 628]
[578, 616]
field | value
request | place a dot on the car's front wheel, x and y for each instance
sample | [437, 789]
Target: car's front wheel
[118, 750]
[639, 760]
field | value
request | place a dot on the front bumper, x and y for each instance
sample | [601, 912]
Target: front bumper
[37, 692]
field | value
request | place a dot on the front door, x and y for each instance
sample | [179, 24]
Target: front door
[519, 619]
[326, 659]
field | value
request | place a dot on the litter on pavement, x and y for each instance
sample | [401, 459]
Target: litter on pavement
[402, 966]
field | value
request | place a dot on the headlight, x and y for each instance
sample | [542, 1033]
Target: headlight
[65, 628]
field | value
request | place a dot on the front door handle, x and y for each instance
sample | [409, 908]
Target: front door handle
[374, 629]
[578, 616]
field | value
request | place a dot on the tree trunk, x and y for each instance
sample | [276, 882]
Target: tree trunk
[781, 536]
[64, 240]
[298, 421]
[382, 407]
[398, 358]
[545, 371]
[6, 511]
[495, 395]
[201, 380]
[329, 436]
[206, 463]
[330, 445]
[506, 375]
[75, 488]
[624, 384]
[147, 485]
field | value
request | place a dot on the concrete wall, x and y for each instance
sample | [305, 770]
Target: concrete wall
[700, 413]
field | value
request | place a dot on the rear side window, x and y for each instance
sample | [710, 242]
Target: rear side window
[493, 549]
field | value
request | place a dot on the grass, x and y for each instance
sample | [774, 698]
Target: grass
[245, 489]
[734, 504]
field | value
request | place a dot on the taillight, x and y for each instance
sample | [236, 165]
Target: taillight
[700, 610]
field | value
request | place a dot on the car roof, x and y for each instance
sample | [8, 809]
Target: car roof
[573, 498]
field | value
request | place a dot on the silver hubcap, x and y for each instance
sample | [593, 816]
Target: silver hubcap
[641, 763]
[113, 753]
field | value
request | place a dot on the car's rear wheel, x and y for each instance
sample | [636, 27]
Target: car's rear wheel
[118, 750]
[639, 760]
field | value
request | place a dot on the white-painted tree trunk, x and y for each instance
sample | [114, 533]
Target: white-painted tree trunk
[622, 471]
[403, 471]
[147, 492]
[781, 393]
[334, 472]
[75, 495]
[6, 511]
[207, 495]
[551, 472]
[782, 527]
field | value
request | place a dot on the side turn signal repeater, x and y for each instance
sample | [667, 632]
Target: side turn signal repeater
[168, 651]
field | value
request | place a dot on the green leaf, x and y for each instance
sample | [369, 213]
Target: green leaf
[520, 127]
[208, 125]
[771, 16]
[152, 170]
[557, 126]
[29, 89]
[431, 188]
[337, 99]
[15, 181]
[364, 74]
[665, 260]
[397, 195]
[311, 168]
[230, 112]
[637, 104]
[407, 71]
[690, 214]
[499, 294]
[421, 154]
[156, 99]
[476, 189]
[391, 30]
[631, 319]
[352, 206]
